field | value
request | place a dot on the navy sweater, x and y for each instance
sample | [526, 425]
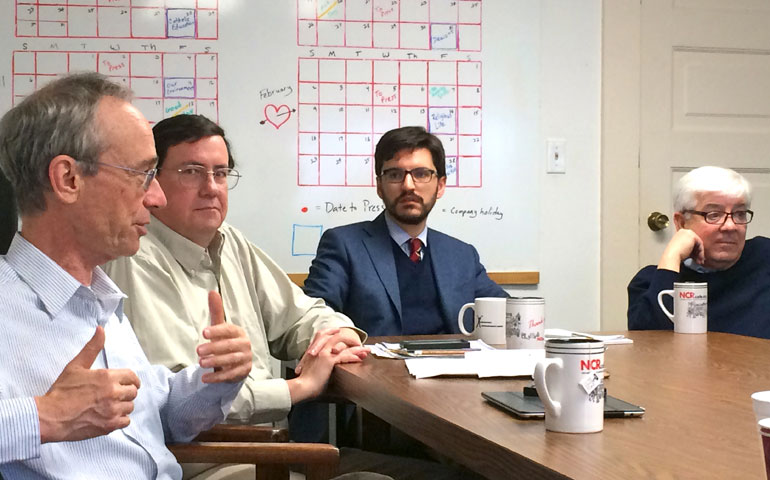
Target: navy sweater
[738, 298]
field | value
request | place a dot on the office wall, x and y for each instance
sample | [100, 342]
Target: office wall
[569, 51]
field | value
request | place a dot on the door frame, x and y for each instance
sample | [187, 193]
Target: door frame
[620, 147]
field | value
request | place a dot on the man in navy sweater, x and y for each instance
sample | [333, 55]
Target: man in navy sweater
[712, 212]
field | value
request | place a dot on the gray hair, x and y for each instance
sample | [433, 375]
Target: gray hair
[57, 119]
[710, 179]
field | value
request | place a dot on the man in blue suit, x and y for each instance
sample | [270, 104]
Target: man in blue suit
[393, 275]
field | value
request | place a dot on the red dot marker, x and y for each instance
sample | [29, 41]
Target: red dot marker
[304, 209]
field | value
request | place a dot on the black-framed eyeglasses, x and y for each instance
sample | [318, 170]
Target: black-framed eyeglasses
[193, 176]
[149, 175]
[740, 217]
[397, 175]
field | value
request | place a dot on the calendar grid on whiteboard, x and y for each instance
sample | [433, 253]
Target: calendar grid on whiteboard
[146, 19]
[346, 105]
[164, 84]
[405, 24]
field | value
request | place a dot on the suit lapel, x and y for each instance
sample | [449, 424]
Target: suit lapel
[378, 245]
[446, 277]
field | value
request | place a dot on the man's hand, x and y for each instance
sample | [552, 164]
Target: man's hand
[229, 349]
[684, 244]
[84, 403]
[344, 343]
[317, 370]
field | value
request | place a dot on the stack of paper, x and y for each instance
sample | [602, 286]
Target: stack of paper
[607, 339]
[482, 363]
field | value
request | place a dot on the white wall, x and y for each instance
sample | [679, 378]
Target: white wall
[570, 99]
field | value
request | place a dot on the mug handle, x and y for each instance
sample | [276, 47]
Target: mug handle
[552, 406]
[663, 307]
[462, 314]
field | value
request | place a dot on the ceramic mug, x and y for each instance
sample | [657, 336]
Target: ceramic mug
[761, 403]
[690, 307]
[570, 383]
[525, 322]
[488, 320]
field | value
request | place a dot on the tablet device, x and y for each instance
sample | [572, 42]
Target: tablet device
[526, 406]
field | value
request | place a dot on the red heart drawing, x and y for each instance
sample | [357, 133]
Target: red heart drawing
[277, 116]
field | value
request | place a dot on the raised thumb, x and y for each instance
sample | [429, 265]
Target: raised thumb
[216, 310]
[90, 351]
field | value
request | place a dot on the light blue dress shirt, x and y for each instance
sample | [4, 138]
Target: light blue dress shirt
[47, 317]
[402, 238]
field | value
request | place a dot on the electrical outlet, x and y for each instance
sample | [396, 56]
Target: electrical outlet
[556, 162]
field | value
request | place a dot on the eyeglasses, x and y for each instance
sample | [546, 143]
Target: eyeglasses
[149, 175]
[397, 175]
[740, 217]
[193, 176]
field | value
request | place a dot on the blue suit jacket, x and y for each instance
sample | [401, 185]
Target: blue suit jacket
[355, 273]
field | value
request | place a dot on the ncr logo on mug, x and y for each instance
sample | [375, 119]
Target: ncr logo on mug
[689, 294]
[593, 364]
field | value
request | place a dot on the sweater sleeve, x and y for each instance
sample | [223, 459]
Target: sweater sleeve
[644, 313]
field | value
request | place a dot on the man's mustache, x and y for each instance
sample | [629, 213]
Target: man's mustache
[410, 197]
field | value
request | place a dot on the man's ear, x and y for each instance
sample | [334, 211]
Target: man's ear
[66, 179]
[379, 187]
[440, 187]
[679, 220]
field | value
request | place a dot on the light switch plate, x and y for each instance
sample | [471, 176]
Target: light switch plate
[556, 161]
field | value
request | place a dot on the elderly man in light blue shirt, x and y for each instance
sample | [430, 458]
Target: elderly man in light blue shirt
[78, 398]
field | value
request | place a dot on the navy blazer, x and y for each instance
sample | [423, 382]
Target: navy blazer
[355, 273]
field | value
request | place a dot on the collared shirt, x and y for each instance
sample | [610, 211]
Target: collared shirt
[167, 283]
[402, 238]
[47, 318]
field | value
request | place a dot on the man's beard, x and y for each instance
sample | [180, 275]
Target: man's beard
[410, 219]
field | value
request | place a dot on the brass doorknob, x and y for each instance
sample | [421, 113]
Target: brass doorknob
[657, 221]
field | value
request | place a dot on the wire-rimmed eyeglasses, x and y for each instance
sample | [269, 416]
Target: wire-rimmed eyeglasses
[149, 175]
[193, 176]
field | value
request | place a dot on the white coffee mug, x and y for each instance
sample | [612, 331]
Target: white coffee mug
[570, 383]
[690, 307]
[488, 320]
[525, 322]
[761, 403]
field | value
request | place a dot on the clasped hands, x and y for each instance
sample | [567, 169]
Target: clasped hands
[327, 348]
[84, 403]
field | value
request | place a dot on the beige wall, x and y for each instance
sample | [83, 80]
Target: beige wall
[569, 50]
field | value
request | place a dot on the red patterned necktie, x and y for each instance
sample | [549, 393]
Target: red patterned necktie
[415, 244]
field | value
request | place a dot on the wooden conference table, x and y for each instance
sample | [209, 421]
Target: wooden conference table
[696, 389]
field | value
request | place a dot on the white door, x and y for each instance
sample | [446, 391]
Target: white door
[686, 83]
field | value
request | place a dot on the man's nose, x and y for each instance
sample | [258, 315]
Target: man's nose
[208, 184]
[154, 196]
[729, 223]
[408, 182]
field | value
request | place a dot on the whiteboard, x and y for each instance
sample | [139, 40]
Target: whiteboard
[305, 88]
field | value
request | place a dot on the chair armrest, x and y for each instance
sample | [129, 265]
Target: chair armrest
[243, 433]
[272, 459]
